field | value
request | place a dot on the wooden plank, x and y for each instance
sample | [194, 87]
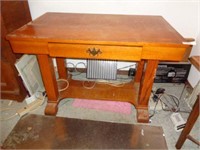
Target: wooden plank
[78, 89]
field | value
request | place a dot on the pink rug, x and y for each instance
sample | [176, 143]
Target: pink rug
[112, 106]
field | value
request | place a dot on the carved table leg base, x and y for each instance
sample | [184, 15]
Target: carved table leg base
[143, 115]
[51, 109]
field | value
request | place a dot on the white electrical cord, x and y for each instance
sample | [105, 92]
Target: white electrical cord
[10, 117]
[16, 114]
[88, 87]
[66, 87]
[112, 83]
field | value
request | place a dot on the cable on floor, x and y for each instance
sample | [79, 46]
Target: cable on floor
[168, 100]
[16, 114]
[10, 117]
[154, 110]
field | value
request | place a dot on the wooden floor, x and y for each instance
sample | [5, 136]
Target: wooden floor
[48, 132]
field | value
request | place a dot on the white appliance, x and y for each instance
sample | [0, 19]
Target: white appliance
[29, 71]
[178, 121]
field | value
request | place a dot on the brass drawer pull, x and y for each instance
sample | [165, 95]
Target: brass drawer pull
[93, 51]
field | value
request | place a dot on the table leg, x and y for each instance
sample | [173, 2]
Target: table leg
[61, 68]
[139, 72]
[145, 91]
[49, 80]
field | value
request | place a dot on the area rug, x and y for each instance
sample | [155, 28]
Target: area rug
[110, 106]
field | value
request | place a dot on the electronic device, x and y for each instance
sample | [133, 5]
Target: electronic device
[172, 72]
[101, 69]
[178, 121]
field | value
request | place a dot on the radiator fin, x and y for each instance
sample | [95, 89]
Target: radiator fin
[101, 69]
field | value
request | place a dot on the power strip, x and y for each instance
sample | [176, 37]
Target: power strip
[35, 104]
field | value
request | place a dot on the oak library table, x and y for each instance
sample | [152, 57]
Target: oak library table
[143, 39]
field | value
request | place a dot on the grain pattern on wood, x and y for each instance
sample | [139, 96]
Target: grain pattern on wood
[139, 71]
[99, 36]
[69, 133]
[48, 76]
[14, 14]
[105, 51]
[100, 28]
[127, 92]
[51, 108]
[29, 47]
[62, 72]
[142, 114]
[163, 53]
[147, 82]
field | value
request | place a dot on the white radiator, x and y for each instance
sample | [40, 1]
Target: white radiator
[101, 69]
[29, 71]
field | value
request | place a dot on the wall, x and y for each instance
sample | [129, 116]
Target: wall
[183, 15]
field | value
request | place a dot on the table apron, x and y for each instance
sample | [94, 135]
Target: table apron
[164, 53]
[109, 52]
[95, 51]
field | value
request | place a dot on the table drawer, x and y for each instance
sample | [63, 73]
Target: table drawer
[95, 51]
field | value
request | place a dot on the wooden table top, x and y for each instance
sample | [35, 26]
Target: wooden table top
[99, 29]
